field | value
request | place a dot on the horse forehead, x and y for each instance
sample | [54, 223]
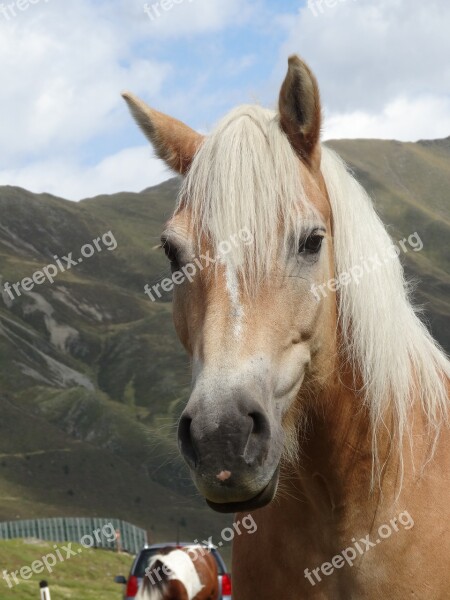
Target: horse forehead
[315, 192]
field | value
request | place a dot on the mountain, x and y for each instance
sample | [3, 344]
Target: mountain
[92, 376]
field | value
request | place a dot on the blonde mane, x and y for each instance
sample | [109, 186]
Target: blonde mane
[399, 362]
[246, 174]
[260, 189]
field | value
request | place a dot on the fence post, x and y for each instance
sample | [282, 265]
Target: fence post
[45, 592]
[118, 541]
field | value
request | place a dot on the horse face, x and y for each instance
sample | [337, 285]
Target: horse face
[252, 351]
[250, 355]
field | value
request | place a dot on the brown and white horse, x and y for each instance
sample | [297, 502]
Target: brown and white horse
[188, 573]
[318, 396]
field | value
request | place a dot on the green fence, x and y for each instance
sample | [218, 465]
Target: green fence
[100, 532]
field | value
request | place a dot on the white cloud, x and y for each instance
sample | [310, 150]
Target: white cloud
[403, 119]
[375, 59]
[62, 81]
[366, 52]
[63, 67]
[132, 169]
[382, 65]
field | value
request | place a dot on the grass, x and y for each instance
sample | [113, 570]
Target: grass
[87, 576]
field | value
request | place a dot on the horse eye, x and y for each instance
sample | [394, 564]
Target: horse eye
[171, 252]
[312, 244]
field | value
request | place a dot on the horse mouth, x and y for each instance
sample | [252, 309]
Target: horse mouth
[263, 498]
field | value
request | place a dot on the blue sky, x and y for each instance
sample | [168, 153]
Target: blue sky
[382, 66]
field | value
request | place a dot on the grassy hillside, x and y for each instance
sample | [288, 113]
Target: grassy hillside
[92, 377]
[89, 575]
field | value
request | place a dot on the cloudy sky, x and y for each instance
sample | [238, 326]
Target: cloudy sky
[383, 67]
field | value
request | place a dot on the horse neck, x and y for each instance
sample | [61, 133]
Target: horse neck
[337, 467]
[338, 446]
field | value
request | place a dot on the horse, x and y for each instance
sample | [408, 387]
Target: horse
[187, 573]
[319, 399]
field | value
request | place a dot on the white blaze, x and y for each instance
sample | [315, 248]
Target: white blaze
[237, 311]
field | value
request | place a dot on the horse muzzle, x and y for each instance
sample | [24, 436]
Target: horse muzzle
[233, 449]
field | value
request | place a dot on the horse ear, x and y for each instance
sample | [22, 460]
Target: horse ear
[300, 111]
[174, 142]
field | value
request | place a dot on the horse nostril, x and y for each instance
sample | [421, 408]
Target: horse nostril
[185, 441]
[260, 423]
[257, 444]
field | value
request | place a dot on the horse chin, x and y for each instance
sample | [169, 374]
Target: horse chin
[263, 498]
